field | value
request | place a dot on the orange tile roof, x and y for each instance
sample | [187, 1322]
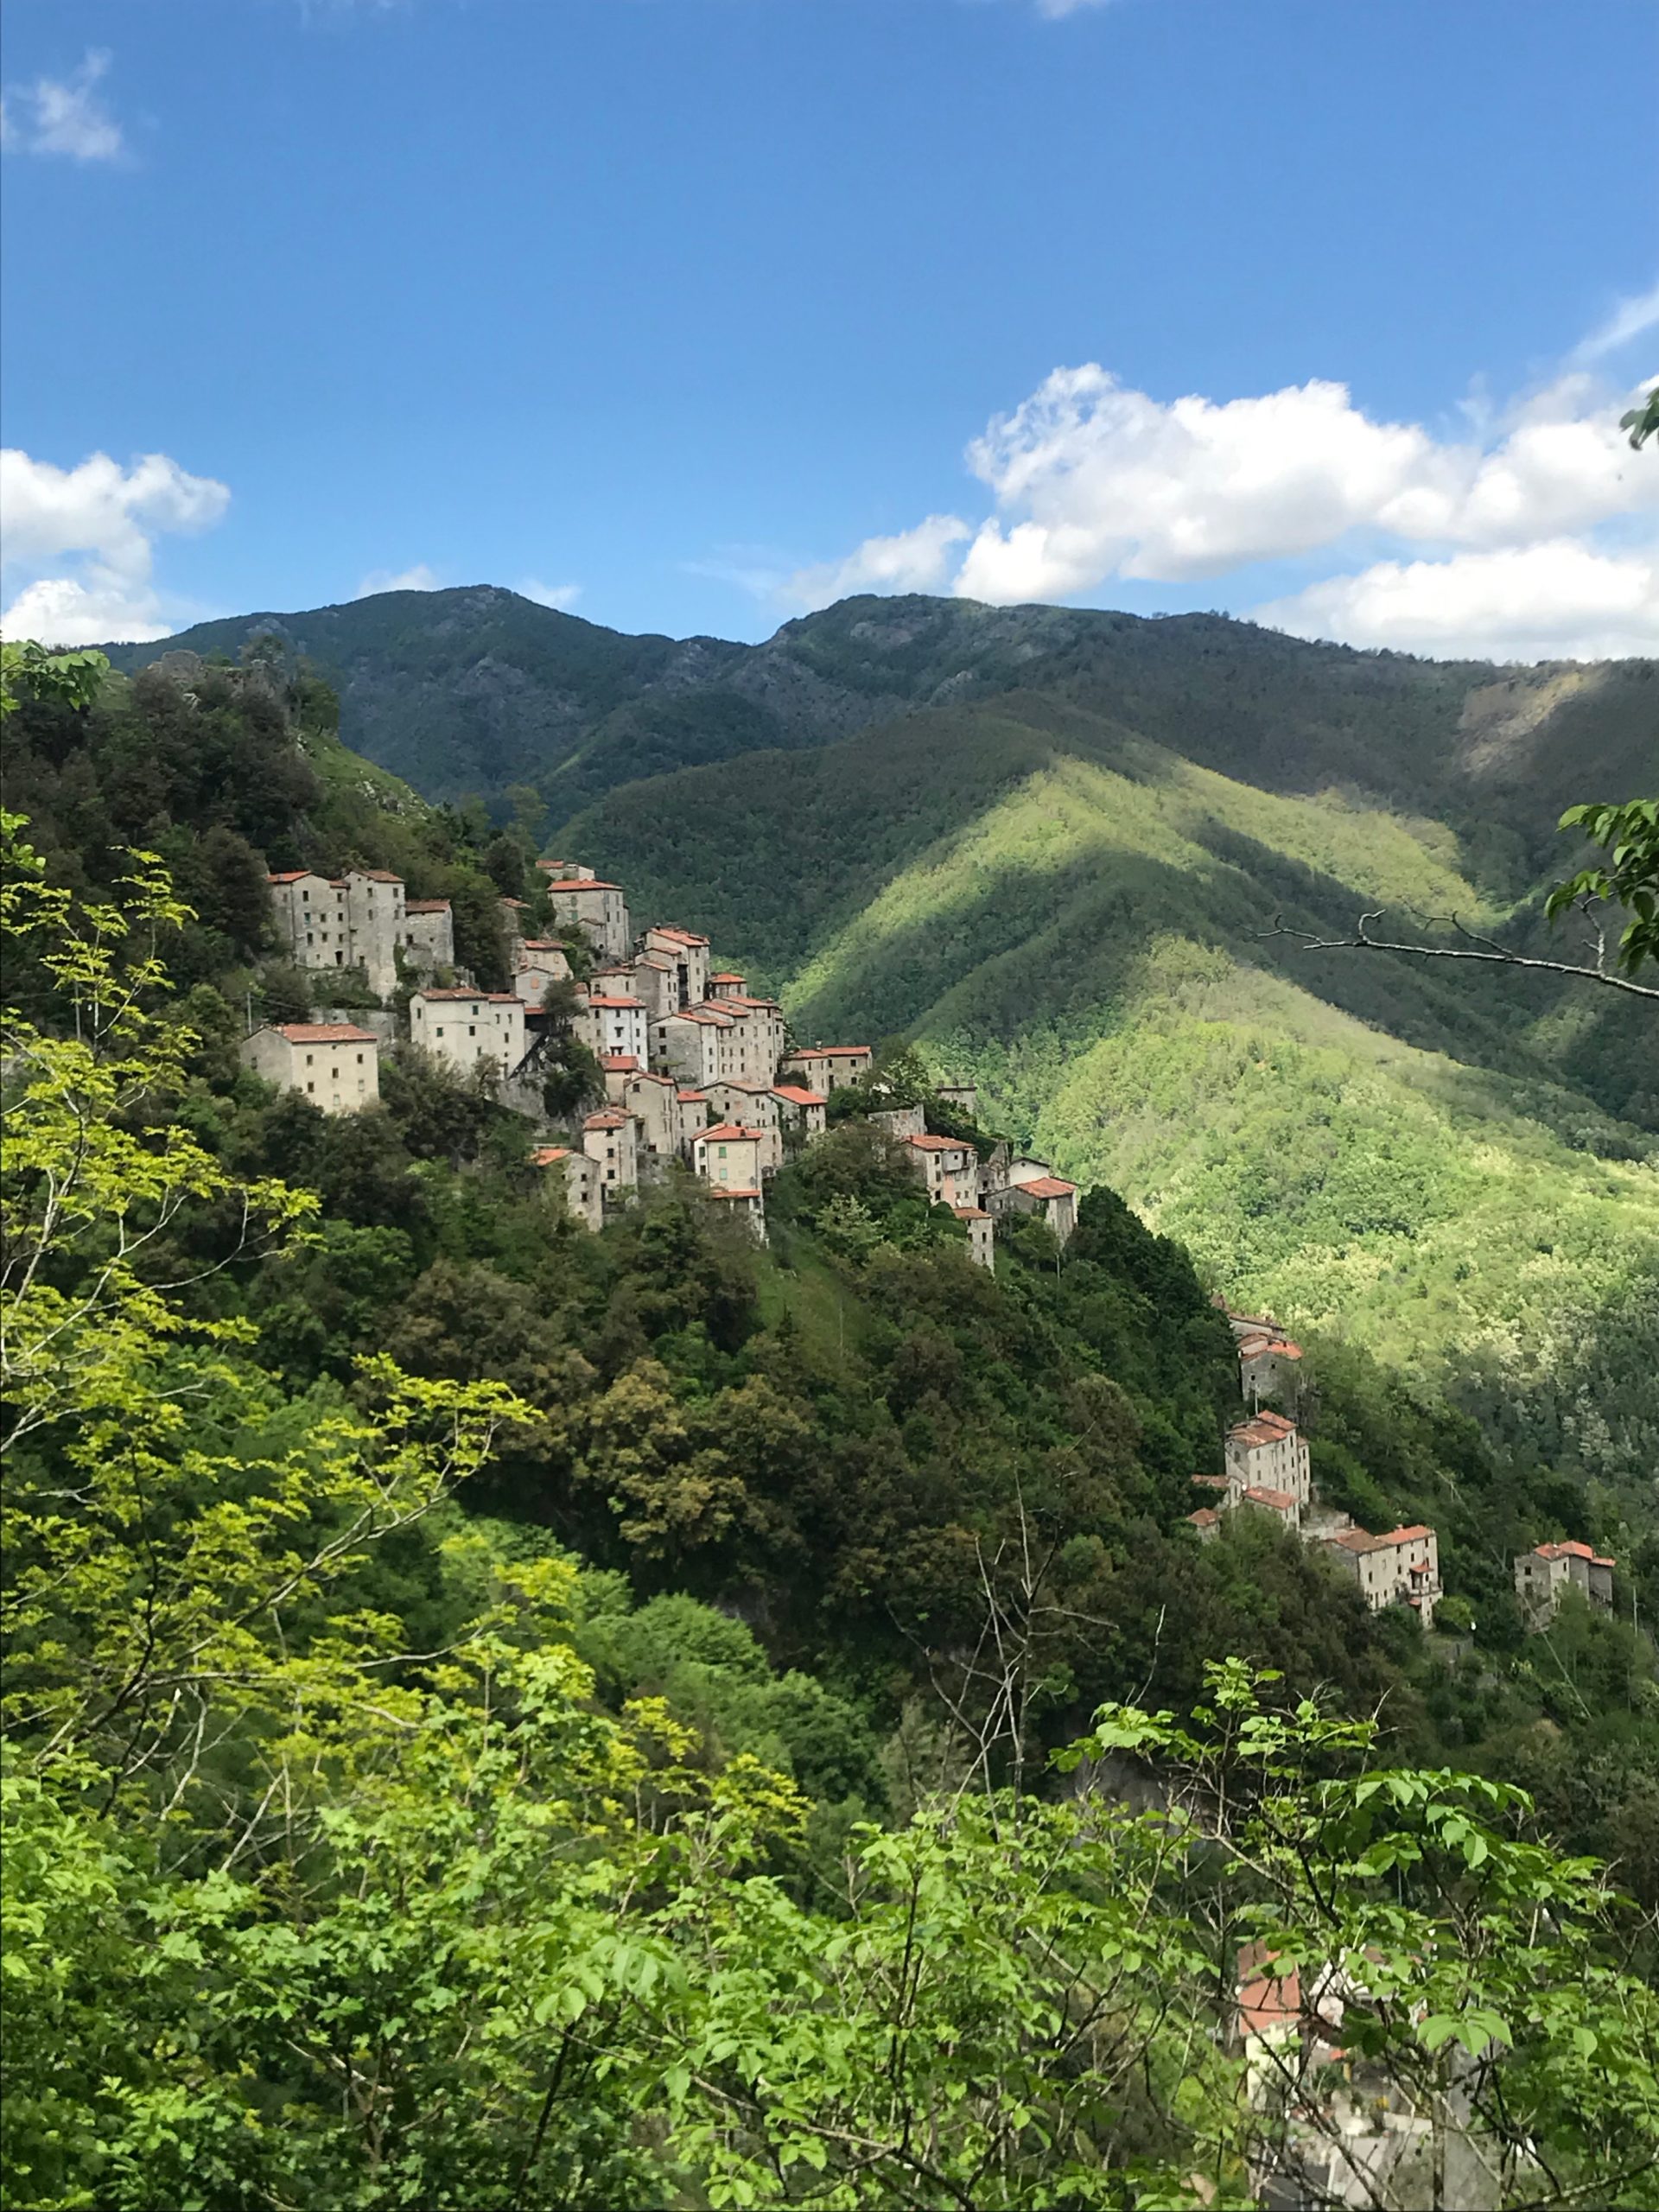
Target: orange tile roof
[936, 1144]
[1572, 1549]
[679, 936]
[970, 1213]
[289, 875]
[694, 1097]
[796, 1096]
[1280, 1500]
[727, 976]
[730, 1132]
[729, 1190]
[1205, 1517]
[377, 874]
[461, 991]
[1262, 1430]
[608, 1117]
[426, 905]
[557, 889]
[618, 1063]
[324, 1033]
[1048, 1186]
[603, 998]
[545, 1154]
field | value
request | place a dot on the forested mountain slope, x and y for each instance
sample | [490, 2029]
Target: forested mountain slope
[470, 691]
[1458, 1172]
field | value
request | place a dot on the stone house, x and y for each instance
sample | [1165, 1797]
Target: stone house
[1050, 1197]
[513, 912]
[695, 1047]
[654, 1102]
[1269, 1453]
[728, 984]
[354, 921]
[696, 1113]
[599, 910]
[607, 1024]
[336, 1065]
[687, 955]
[1268, 1366]
[826, 1067]
[901, 1122]
[748, 1206]
[757, 1036]
[727, 1152]
[429, 935]
[982, 1237]
[948, 1169]
[965, 1097]
[467, 1028]
[611, 1139]
[1283, 1504]
[542, 962]
[1206, 1523]
[655, 985]
[753, 1105]
[1402, 1567]
[581, 1178]
[800, 1112]
[1542, 1575]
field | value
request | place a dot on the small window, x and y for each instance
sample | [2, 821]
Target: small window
[472, 1029]
[360, 1059]
[310, 1059]
[439, 1031]
[311, 1086]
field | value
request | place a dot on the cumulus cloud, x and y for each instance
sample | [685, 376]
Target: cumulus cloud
[1562, 599]
[421, 577]
[912, 560]
[104, 519]
[1094, 480]
[1090, 480]
[562, 597]
[62, 115]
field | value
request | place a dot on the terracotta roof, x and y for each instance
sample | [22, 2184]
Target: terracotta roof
[1048, 1186]
[377, 874]
[287, 875]
[1266, 2002]
[1264, 1429]
[1205, 1517]
[936, 1144]
[324, 1033]
[727, 976]
[581, 883]
[679, 936]
[608, 1117]
[650, 960]
[485, 998]
[545, 1154]
[697, 1097]
[1361, 1540]
[542, 944]
[700, 1013]
[970, 1213]
[507, 901]
[796, 1096]
[730, 1132]
[426, 905]
[825, 1052]
[618, 1063]
[1281, 1501]
[1212, 1482]
[603, 998]
[1572, 1550]
[729, 1190]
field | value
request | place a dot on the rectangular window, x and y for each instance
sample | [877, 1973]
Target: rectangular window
[360, 1059]
[439, 1031]
[310, 1059]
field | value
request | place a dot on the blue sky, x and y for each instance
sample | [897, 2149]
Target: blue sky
[690, 314]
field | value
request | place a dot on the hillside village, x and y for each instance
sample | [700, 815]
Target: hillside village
[700, 1075]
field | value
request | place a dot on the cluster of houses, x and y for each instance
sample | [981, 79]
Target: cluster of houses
[697, 1069]
[1268, 1471]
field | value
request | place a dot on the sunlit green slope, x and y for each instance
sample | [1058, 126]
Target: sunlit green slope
[1082, 921]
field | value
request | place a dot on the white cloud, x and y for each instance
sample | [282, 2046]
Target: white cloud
[1091, 481]
[1094, 480]
[421, 577]
[104, 518]
[1562, 599]
[562, 597]
[912, 560]
[1630, 318]
[62, 115]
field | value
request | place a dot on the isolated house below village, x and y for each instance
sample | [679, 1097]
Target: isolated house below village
[581, 1178]
[1545, 1574]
